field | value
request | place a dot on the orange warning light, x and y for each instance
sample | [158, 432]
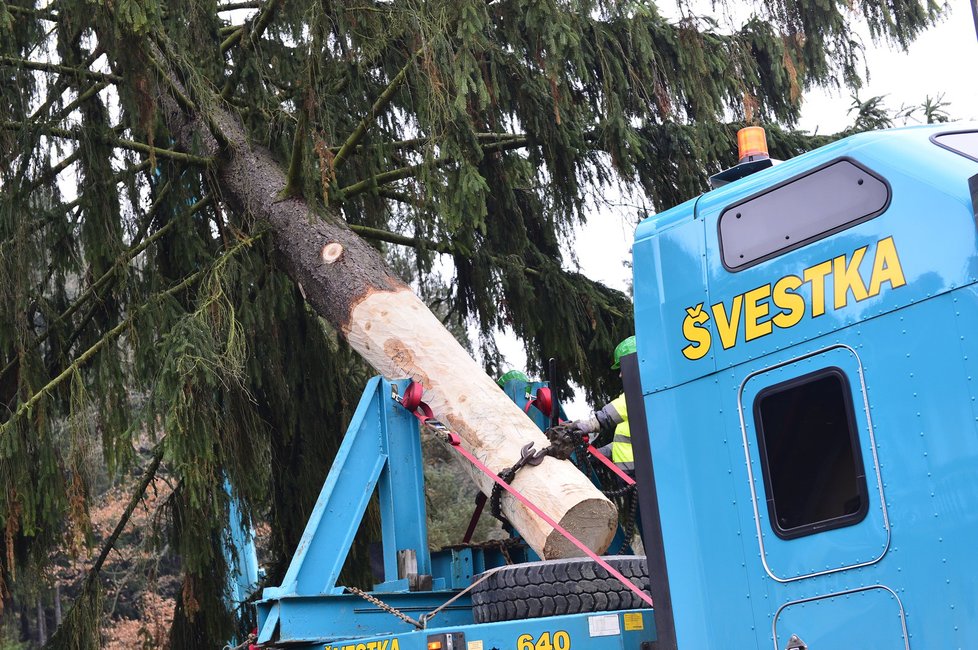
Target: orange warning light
[751, 143]
[434, 645]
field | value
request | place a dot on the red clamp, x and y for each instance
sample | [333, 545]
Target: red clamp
[542, 399]
[411, 400]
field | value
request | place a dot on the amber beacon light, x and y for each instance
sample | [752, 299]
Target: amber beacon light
[752, 157]
[751, 144]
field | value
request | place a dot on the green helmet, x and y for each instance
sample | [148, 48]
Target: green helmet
[511, 375]
[625, 347]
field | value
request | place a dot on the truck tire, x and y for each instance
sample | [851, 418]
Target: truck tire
[556, 587]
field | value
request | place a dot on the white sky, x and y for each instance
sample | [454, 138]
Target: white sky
[939, 62]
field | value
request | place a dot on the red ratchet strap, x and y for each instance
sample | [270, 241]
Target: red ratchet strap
[610, 465]
[412, 402]
[480, 504]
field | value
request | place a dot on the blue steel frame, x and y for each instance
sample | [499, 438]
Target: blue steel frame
[241, 556]
[622, 630]
[382, 449]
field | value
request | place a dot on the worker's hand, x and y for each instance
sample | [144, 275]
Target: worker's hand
[587, 426]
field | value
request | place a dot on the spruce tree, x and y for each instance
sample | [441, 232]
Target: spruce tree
[162, 288]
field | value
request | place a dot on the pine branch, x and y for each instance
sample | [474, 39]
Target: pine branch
[37, 13]
[185, 102]
[258, 25]
[162, 56]
[377, 234]
[113, 334]
[60, 69]
[134, 500]
[78, 101]
[61, 85]
[232, 6]
[414, 143]
[385, 98]
[400, 197]
[123, 260]
[293, 178]
[517, 142]
[132, 145]
[88, 354]
[109, 275]
[80, 628]
[402, 240]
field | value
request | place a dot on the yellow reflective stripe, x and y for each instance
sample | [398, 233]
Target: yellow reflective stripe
[621, 446]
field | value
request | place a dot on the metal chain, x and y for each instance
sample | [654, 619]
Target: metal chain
[622, 491]
[628, 526]
[527, 457]
[384, 606]
[430, 615]
[423, 623]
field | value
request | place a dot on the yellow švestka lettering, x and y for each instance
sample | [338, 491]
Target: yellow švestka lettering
[784, 304]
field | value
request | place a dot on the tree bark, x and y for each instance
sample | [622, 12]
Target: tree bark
[347, 282]
[42, 627]
[57, 604]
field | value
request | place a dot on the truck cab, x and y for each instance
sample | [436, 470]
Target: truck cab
[808, 360]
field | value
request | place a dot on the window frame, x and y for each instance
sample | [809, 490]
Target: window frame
[855, 446]
[935, 139]
[796, 244]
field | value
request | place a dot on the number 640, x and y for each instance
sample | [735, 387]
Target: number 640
[559, 641]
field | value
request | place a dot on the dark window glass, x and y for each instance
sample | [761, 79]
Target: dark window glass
[804, 209]
[813, 469]
[964, 143]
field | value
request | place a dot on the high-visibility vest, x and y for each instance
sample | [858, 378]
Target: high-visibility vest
[621, 445]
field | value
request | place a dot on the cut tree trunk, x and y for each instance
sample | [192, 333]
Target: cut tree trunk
[347, 282]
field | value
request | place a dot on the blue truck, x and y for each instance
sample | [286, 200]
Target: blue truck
[804, 417]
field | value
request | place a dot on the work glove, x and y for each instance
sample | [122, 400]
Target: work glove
[588, 426]
[600, 423]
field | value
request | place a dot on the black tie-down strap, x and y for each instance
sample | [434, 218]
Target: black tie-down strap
[564, 439]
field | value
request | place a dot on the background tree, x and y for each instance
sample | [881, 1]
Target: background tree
[144, 303]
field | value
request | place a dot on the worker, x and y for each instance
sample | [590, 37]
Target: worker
[612, 418]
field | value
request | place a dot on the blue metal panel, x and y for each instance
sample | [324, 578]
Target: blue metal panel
[401, 490]
[626, 630]
[378, 428]
[695, 440]
[240, 553]
[832, 550]
[522, 392]
[328, 618]
[840, 621]
[920, 388]
[920, 381]
[669, 279]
